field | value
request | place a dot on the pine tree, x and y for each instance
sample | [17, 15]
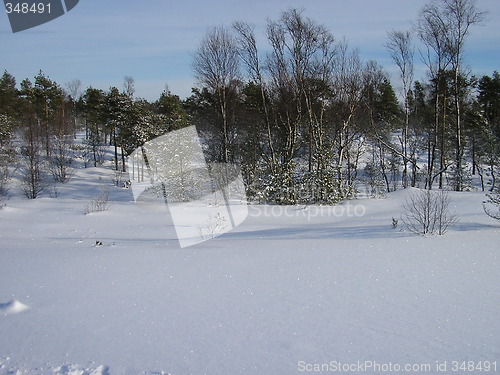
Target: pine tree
[117, 112]
[170, 107]
[9, 96]
[48, 102]
[488, 130]
[92, 103]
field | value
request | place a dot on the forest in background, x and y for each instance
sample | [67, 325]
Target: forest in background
[307, 121]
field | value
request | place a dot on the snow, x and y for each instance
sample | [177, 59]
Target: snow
[289, 287]
[12, 307]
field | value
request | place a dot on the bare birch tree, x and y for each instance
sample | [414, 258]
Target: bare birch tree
[459, 16]
[249, 54]
[216, 67]
[431, 31]
[348, 86]
[443, 27]
[74, 92]
[129, 86]
[401, 50]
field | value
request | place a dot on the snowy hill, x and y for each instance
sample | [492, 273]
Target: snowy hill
[291, 290]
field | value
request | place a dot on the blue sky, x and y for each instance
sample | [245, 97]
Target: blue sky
[101, 41]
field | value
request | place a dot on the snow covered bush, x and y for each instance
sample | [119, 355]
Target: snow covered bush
[279, 187]
[319, 187]
[427, 212]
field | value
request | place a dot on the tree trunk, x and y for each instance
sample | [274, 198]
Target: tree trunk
[116, 148]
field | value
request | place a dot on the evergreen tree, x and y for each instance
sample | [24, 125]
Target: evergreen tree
[6, 153]
[117, 112]
[9, 96]
[171, 109]
[487, 134]
[92, 103]
[8, 113]
[489, 99]
[47, 99]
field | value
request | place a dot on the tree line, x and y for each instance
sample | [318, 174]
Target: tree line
[45, 118]
[299, 118]
[306, 121]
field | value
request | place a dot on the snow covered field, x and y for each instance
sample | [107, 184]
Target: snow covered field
[290, 291]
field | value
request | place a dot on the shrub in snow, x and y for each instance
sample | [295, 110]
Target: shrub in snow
[54, 193]
[214, 227]
[460, 179]
[280, 187]
[61, 158]
[99, 203]
[4, 179]
[94, 150]
[374, 181]
[394, 223]
[492, 206]
[319, 187]
[33, 181]
[427, 212]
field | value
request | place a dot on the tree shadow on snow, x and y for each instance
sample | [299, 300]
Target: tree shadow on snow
[473, 227]
[320, 232]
